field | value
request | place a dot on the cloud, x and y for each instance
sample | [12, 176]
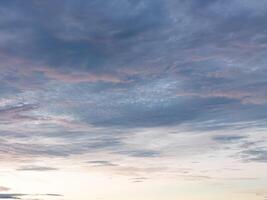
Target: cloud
[21, 195]
[131, 53]
[3, 189]
[140, 153]
[15, 112]
[144, 84]
[56, 195]
[36, 168]
[139, 179]
[228, 138]
[255, 155]
[101, 163]
[67, 42]
[11, 195]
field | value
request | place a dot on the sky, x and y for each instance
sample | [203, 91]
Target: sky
[133, 100]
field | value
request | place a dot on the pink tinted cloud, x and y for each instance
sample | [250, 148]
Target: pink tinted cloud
[25, 69]
[78, 77]
[3, 189]
[245, 97]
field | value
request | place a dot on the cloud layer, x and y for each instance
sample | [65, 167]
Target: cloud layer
[113, 83]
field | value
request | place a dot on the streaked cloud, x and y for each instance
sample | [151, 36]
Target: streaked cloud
[21, 196]
[101, 163]
[36, 168]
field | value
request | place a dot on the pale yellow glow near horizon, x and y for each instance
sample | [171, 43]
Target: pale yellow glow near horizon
[90, 184]
[173, 176]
